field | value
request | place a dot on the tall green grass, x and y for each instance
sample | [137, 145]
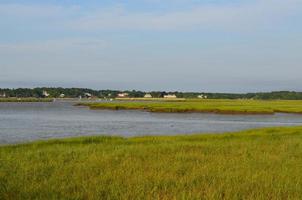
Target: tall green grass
[255, 164]
[212, 106]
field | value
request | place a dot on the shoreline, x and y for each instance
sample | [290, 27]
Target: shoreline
[193, 111]
[25, 100]
[96, 136]
[227, 107]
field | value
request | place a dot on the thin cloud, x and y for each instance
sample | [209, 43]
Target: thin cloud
[54, 45]
[239, 16]
[21, 11]
[231, 17]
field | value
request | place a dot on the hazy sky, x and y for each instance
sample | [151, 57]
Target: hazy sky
[192, 45]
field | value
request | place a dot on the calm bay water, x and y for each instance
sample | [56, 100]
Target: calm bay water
[20, 122]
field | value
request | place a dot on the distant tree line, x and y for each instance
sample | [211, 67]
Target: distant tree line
[77, 92]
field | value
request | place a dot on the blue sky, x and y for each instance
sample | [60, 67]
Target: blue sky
[189, 45]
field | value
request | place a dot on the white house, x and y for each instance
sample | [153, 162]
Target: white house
[45, 93]
[87, 95]
[170, 96]
[3, 95]
[148, 96]
[62, 95]
[122, 95]
[201, 96]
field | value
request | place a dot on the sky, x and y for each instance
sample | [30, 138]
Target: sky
[184, 45]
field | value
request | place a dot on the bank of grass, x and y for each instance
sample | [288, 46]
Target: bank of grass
[150, 99]
[15, 99]
[255, 164]
[210, 105]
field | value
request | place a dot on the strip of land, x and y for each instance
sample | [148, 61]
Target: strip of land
[255, 164]
[207, 106]
[31, 99]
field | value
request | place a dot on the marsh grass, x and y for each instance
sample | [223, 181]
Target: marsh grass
[210, 106]
[256, 164]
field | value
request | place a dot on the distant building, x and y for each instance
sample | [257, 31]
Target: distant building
[170, 96]
[45, 93]
[201, 96]
[87, 95]
[3, 95]
[62, 95]
[122, 95]
[148, 96]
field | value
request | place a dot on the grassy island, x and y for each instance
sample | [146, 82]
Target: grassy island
[209, 106]
[255, 164]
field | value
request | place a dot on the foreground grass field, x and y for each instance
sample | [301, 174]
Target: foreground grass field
[210, 105]
[255, 164]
